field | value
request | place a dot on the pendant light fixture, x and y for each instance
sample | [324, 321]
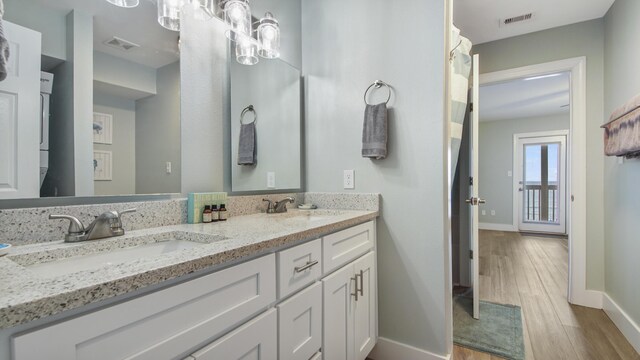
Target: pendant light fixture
[169, 13]
[203, 10]
[237, 16]
[269, 37]
[246, 50]
[125, 3]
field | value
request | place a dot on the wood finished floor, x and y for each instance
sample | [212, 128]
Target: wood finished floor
[531, 272]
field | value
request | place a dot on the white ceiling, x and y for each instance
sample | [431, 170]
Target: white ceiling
[479, 19]
[158, 46]
[522, 98]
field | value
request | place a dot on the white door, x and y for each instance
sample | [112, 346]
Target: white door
[541, 175]
[365, 306]
[474, 200]
[19, 116]
[338, 294]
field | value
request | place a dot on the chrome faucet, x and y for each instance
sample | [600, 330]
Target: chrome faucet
[278, 207]
[108, 224]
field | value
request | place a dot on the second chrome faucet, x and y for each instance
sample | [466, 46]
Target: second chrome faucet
[108, 224]
[278, 207]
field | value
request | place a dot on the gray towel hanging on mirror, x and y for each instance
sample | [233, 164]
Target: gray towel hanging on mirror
[248, 142]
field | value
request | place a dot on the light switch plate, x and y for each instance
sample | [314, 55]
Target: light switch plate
[271, 180]
[349, 179]
[168, 167]
[484, 212]
[509, 173]
[493, 213]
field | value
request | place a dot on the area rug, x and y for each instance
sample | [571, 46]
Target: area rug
[498, 331]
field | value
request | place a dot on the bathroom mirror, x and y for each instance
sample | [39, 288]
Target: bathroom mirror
[265, 98]
[103, 117]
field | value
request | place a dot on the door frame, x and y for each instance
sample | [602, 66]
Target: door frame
[577, 165]
[516, 170]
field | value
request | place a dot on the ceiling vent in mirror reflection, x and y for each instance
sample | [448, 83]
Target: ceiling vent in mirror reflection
[120, 43]
[516, 19]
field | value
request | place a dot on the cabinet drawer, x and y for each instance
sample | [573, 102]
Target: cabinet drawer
[342, 247]
[257, 339]
[166, 324]
[299, 267]
[300, 324]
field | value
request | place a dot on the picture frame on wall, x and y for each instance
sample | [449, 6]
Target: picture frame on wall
[102, 128]
[102, 165]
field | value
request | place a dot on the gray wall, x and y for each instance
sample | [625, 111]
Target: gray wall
[496, 158]
[621, 180]
[158, 135]
[582, 39]
[273, 88]
[123, 147]
[50, 22]
[71, 134]
[346, 46]
[205, 130]
[123, 73]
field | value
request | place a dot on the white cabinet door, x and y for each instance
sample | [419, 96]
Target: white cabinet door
[19, 115]
[300, 324]
[256, 340]
[337, 294]
[165, 324]
[365, 307]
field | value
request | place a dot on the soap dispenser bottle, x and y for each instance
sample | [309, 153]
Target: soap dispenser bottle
[215, 214]
[223, 214]
[206, 214]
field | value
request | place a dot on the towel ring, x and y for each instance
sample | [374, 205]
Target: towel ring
[378, 84]
[245, 111]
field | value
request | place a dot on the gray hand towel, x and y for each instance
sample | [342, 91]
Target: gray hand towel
[4, 47]
[374, 132]
[247, 147]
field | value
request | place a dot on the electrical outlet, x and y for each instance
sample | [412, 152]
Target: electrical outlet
[493, 213]
[509, 173]
[349, 179]
[271, 180]
[484, 212]
[168, 167]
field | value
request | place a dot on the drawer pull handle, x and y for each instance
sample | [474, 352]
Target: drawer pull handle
[307, 266]
[355, 293]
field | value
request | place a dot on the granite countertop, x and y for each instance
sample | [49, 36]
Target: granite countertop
[26, 295]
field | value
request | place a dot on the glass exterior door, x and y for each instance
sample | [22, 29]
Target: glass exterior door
[541, 185]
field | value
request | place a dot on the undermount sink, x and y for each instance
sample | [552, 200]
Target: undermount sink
[56, 259]
[97, 260]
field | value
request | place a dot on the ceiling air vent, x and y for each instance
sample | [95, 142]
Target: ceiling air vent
[121, 44]
[516, 19]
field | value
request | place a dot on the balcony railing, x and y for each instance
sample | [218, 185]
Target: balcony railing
[541, 203]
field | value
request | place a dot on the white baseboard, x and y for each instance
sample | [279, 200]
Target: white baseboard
[588, 298]
[627, 326]
[497, 227]
[387, 349]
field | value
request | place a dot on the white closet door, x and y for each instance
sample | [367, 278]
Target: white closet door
[19, 116]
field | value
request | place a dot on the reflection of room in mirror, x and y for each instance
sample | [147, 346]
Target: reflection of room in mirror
[102, 128]
[102, 165]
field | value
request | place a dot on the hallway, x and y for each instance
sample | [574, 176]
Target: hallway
[531, 272]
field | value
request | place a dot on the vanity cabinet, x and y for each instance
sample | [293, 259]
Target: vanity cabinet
[350, 310]
[311, 301]
[163, 324]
